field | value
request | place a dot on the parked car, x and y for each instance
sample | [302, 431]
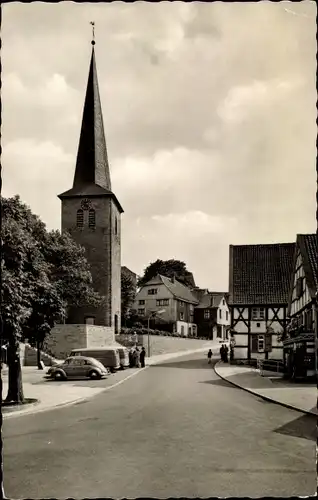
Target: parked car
[123, 356]
[108, 356]
[79, 366]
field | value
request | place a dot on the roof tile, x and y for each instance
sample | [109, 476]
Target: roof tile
[260, 274]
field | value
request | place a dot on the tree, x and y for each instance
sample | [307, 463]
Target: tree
[128, 292]
[170, 268]
[43, 273]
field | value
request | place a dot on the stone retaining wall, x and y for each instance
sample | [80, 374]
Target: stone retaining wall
[164, 345]
[64, 338]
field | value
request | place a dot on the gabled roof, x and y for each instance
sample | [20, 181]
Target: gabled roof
[178, 290]
[211, 300]
[260, 274]
[307, 244]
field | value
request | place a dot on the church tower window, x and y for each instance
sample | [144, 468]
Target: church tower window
[116, 226]
[91, 219]
[80, 218]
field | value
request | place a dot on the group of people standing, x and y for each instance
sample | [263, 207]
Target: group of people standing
[224, 353]
[137, 357]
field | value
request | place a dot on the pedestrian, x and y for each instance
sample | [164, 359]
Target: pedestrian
[231, 353]
[137, 358]
[226, 350]
[210, 354]
[222, 352]
[131, 358]
[142, 357]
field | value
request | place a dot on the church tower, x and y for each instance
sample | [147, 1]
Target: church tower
[91, 213]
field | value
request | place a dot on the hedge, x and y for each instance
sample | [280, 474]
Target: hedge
[161, 333]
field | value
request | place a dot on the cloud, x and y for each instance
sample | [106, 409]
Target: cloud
[209, 113]
[37, 172]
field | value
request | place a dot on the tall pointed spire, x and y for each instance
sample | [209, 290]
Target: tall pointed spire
[92, 174]
[92, 161]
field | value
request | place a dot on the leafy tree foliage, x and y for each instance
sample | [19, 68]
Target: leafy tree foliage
[170, 268]
[128, 292]
[43, 273]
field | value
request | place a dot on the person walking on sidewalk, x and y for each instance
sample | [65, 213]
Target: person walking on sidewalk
[142, 357]
[222, 352]
[210, 354]
[137, 358]
[226, 350]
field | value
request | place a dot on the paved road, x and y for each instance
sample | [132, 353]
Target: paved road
[174, 430]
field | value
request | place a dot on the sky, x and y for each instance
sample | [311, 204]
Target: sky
[209, 114]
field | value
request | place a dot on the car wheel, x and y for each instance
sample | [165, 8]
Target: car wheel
[59, 376]
[94, 375]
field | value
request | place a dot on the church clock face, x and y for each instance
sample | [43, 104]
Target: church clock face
[86, 204]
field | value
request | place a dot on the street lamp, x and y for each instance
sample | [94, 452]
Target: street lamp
[152, 315]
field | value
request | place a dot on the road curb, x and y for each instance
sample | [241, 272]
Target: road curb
[178, 355]
[67, 403]
[266, 398]
[36, 410]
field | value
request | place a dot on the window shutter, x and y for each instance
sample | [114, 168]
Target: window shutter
[268, 342]
[254, 343]
[80, 218]
[91, 218]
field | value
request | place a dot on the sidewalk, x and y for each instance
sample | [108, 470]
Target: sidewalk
[51, 394]
[297, 396]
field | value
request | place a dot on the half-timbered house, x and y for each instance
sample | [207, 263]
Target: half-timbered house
[300, 354]
[259, 279]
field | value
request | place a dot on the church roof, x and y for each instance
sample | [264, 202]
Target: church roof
[92, 174]
[260, 274]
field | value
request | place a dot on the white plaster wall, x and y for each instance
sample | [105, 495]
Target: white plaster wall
[240, 353]
[258, 329]
[241, 339]
[185, 325]
[241, 327]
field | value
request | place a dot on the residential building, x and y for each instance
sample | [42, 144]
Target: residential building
[259, 279]
[172, 299]
[300, 354]
[212, 315]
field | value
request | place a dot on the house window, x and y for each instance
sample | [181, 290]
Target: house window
[181, 316]
[152, 291]
[299, 287]
[258, 313]
[261, 343]
[227, 315]
[162, 302]
[181, 304]
[141, 312]
[141, 302]
[220, 313]
[206, 314]
[80, 218]
[91, 218]
[89, 320]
